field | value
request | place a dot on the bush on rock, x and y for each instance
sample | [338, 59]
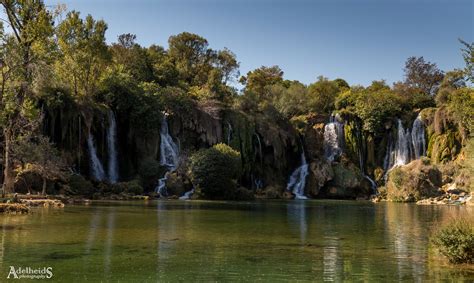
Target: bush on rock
[215, 171]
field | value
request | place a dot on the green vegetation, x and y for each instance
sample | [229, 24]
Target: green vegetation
[60, 79]
[215, 171]
[456, 241]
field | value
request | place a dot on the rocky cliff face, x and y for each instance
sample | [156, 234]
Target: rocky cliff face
[270, 147]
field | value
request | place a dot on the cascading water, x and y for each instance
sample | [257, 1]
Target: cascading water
[169, 153]
[168, 149]
[333, 138]
[187, 195]
[418, 137]
[297, 182]
[112, 169]
[229, 132]
[408, 146]
[402, 147]
[259, 148]
[96, 166]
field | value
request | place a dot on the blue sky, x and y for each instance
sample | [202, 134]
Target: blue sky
[359, 41]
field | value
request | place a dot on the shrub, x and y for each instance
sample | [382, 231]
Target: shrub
[133, 187]
[456, 241]
[214, 171]
[79, 185]
[149, 170]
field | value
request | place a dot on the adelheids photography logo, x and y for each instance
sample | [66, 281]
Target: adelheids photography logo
[19, 272]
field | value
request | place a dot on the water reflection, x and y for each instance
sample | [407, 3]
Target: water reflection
[331, 259]
[251, 241]
[296, 213]
[94, 225]
[109, 240]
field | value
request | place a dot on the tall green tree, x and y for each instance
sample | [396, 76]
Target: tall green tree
[468, 55]
[134, 58]
[259, 79]
[84, 53]
[191, 57]
[24, 50]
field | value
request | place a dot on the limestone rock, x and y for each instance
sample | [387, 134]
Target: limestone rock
[413, 182]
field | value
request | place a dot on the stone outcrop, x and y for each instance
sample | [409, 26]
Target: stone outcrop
[414, 181]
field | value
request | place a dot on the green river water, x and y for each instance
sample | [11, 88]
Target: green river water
[193, 241]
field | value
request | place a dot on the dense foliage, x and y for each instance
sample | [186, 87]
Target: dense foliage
[456, 241]
[56, 61]
[215, 171]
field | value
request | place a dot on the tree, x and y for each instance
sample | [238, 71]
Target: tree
[322, 95]
[24, 50]
[165, 72]
[468, 55]
[36, 155]
[228, 65]
[134, 58]
[257, 80]
[191, 57]
[215, 171]
[290, 100]
[375, 105]
[422, 75]
[84, 53]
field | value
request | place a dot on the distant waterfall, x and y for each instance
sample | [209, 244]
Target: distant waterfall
[96, 166]
[333, 138]
[259, 148]
[409, 145]
[418, 137]
[187, 195]
[168, 149]
[297, 182]
[169, 153]
[112, 171]
[229, 133]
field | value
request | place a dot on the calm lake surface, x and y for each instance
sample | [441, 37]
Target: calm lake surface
[228, 241]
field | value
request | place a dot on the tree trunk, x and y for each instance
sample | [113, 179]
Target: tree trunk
[8, 176]
[44, 186]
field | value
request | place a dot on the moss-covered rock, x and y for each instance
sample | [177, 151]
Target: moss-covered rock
[347, 183]
[443, 147]
[320, 172]
[414, 181]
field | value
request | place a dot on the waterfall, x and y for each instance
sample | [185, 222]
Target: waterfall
[402, 147]
[187, 195]
[168, 155]
[333, 138]
[409, 145]
[418, 137]
[297, 182]
[96, 166]
[229, 133]
[168, 149]
[373, 185]
[112, 171]
[259, 148]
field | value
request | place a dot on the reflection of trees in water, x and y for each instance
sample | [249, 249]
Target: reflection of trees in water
[408, 230]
